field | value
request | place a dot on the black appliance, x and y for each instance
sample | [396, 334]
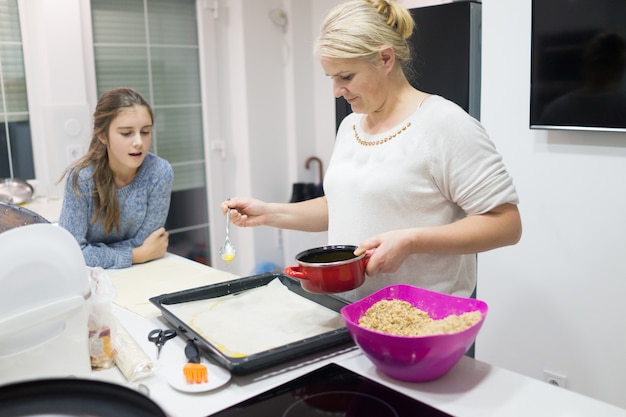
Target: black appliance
[446, 49]
[578, 59]
[331, 391]
[74, 397]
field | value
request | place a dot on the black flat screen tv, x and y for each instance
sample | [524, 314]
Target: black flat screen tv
[578, 60]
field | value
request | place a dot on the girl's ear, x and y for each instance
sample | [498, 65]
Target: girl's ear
[102, 138]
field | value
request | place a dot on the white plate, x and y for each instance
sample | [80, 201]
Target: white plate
[218, 376]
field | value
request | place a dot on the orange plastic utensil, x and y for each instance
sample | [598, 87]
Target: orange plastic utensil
[195, 372]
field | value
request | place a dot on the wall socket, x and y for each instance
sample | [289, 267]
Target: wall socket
[73, 152]
[555, 379]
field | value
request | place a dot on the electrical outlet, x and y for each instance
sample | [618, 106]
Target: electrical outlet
[554, 379]
[73, 152]
[218, 146]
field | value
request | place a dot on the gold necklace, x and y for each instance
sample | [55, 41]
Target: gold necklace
[381, 141]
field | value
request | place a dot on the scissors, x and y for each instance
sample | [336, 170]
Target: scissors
[159, 337]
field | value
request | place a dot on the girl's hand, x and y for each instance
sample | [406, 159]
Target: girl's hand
[153, 247]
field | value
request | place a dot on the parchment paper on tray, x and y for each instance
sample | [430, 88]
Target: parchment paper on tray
[256, 320]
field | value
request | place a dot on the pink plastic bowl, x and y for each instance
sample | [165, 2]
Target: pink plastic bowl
[414, 358]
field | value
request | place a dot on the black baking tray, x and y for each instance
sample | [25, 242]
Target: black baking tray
[260, 360]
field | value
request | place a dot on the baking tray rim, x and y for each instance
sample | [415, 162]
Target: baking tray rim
[265, 359]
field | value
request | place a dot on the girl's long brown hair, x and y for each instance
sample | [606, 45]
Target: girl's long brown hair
[106, 205]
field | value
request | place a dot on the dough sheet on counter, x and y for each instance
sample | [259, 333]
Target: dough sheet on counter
[172, 273]
[256, 320]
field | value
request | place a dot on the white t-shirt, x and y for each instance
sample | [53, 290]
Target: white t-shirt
[442, 167]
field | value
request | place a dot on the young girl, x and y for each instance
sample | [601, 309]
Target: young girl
[117, 196]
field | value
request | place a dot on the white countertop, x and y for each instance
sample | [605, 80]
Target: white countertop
[48, 208]
[471, 389]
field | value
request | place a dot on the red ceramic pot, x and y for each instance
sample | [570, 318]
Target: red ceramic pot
[329, 269]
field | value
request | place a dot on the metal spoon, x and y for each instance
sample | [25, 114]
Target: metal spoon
[227, 250]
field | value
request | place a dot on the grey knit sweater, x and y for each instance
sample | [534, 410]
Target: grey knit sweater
[144, 205]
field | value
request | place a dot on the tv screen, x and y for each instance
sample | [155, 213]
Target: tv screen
[578, 58]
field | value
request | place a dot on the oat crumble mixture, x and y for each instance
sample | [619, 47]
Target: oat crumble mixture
[401, 318]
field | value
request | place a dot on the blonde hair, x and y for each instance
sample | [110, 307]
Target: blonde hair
[362, 28]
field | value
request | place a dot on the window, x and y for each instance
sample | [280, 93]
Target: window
[152, 46]
[16, 155]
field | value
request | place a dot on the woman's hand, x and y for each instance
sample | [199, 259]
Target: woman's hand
[310, 215]
[153, 247]
[246, 212]
[473, 234]
[387, 250]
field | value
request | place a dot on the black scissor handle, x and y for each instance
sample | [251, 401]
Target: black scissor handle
[160, 336]
[168, 334]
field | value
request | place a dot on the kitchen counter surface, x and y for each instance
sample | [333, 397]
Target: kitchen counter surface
[48, 208]
[471, 389]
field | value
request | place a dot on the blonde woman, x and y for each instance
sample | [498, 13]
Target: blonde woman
[413, 179]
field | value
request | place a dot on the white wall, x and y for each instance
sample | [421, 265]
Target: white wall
[258, 73]
[277, 95]
[59, 87]
[556, 299]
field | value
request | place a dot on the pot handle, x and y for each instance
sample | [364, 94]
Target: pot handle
[295, 272]
[366, 259]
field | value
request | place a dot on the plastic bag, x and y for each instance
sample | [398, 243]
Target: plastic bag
[101, 319]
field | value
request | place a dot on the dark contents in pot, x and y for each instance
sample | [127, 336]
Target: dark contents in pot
[329, 256]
